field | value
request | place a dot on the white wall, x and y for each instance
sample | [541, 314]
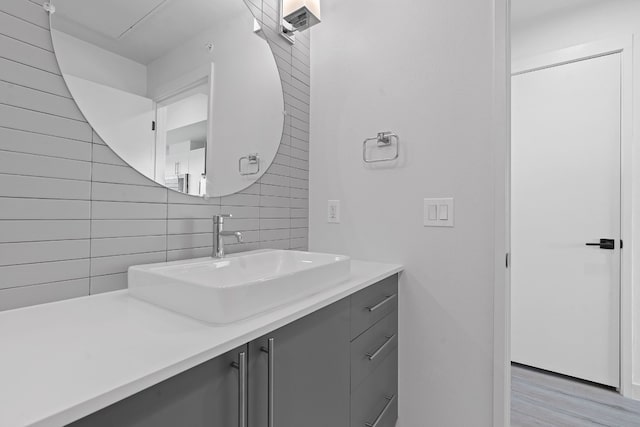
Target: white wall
[187, 111]
[88, 61]
[613, 18]
[424, 69]
[609, 18]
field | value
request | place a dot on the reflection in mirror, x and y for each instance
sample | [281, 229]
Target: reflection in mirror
[181, 128]
[185, 91]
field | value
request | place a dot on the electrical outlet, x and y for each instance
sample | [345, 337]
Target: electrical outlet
[333, 211]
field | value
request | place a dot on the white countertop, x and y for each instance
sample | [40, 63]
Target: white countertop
[62, 361]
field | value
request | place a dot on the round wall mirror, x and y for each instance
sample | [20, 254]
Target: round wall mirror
[185, 91]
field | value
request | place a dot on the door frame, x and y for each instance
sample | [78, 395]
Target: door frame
[501, 147]
[501, 137]
[624, 47]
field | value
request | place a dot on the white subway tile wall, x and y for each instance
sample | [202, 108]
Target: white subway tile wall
[74, 216]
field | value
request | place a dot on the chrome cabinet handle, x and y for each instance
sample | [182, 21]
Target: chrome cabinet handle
[270, 350]
[381, 415]
[241, 366]
[375, 354]
[381, 303]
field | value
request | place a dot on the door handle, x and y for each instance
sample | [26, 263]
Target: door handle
[241, 366]
[604, 244]
[270, 350]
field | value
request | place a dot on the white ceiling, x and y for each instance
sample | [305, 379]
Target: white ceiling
[141, 30]
[109, 18]
[526, 10]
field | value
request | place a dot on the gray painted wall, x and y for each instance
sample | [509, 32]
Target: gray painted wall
[74, 217]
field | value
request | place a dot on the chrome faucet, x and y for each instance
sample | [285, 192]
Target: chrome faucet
[219, 233]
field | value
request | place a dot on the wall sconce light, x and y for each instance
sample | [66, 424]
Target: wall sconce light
[298, 15]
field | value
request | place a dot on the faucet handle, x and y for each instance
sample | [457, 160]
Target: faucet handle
[219, 219]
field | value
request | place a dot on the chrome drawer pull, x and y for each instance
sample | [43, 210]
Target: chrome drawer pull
[241, 366]
[375, 354]
[381, 303]
[270, 350]
[390, 400]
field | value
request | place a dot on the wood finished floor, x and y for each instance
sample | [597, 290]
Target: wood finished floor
[542, 399]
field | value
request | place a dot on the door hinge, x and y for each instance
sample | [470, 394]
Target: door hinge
[506, 260]
[621, 244]
[153, 125]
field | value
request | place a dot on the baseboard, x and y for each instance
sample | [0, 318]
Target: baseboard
[635, 391]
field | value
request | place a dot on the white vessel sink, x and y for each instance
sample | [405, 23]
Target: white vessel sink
[237, 286]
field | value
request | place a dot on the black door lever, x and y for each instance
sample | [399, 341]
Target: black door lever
[604, 244]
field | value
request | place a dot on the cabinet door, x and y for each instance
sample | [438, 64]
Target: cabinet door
[207, 395]
[310, 372]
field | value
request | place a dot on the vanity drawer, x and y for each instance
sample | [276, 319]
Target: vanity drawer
[372, 304]
[373, 347]
[375, 402]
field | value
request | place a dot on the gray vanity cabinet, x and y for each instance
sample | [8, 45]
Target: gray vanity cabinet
[336, 367]
[206, 395]
[374, 355]
[299, 375]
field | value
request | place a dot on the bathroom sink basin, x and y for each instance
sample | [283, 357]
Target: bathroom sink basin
[237, 286]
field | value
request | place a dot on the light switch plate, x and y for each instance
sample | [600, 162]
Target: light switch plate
[333, 211]
[439, 212]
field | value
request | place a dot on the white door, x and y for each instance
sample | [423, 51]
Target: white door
[566, 134]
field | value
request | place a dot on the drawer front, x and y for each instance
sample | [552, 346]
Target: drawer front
[372, 304]
[375, 402]
[370, 349]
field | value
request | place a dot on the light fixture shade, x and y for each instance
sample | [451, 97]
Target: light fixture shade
[301, 14]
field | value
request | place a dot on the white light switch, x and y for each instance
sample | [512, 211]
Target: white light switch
[444, 212]
[432, 213]
[438, 212]
[333, 211]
